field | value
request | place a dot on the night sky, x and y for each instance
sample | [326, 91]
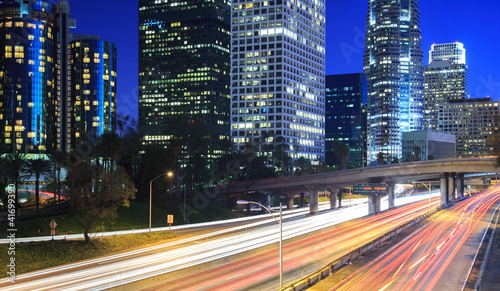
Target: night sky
[475, 24]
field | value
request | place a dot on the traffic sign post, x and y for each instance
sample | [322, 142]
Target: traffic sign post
[53, 225]
[170, 220]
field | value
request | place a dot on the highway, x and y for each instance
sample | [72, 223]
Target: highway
[125, 268]
[438, 256]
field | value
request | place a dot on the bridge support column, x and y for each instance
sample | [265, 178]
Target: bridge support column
[313, 198]
[339, 196]
[373, 204]
[460, 186]
[444, 188]
[289, 201]
[390, 193]
[267, 200]
[451, 187]
[333, 197]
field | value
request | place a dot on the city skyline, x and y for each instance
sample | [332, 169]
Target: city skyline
[473, 25]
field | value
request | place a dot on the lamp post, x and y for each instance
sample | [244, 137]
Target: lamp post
[151, 196]
[244, 202]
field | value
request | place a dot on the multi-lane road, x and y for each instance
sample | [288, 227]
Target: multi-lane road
[437, 256]
[215, 254]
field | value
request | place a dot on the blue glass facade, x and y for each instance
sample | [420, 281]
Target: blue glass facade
[93, 85]
[27, 75]
[345, 117]
[393, 65]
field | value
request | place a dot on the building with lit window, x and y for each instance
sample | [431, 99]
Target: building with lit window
[453, 52]
[345, 117]
[93, 88]
[443, 81]
[277, 86]
[393, 65]
[432, 145]
[471, 121]
[184, 72]
[27, 76]
[36, 104]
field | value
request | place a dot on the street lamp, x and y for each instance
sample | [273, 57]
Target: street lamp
[244, 202]
[151, 196]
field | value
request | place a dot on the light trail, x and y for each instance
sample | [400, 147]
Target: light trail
[429, 251]
[120, 269]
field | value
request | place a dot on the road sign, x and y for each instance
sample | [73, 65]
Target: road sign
[366, 189]
[53, 225]
[170, 220]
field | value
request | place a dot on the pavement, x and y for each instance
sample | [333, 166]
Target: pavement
[491, 279]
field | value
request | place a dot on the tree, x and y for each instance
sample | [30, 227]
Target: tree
[304, 166]
[16, 163]
[417, 151]
[381, 158]
[37, 168]
[96, 194]
[341, 152]
[58, 159]
[109, 148]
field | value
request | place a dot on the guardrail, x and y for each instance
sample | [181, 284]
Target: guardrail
[313, 278]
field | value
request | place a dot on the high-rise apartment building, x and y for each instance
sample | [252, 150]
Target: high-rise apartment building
[278, 65]
[453, 52]
[27, 76]
[472, 121]
[345, 115]
[184, 72]
[443, 81]
[36, 105]
[93, 87]
[393, 65]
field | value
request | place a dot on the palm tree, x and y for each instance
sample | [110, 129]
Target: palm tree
[38, 167]
[417, 151]
[381, 158]
[58, 160]
[341, 152]
[15, 163]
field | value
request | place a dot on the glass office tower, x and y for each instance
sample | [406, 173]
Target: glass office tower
[346, 117]
[184, 75]
[93, 88]
[27, 76]
[393, 66]
[278, 76]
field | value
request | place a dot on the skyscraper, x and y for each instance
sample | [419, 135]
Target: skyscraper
[184, 76]
[278, 65]
[443, 81]
[27, 76]
[393, 65]
[93, 87]
[36, 101]
[453, 52]
[345, 115]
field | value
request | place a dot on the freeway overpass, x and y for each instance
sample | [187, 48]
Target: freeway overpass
[450, 172]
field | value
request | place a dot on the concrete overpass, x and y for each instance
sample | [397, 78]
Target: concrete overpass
[450, 171]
